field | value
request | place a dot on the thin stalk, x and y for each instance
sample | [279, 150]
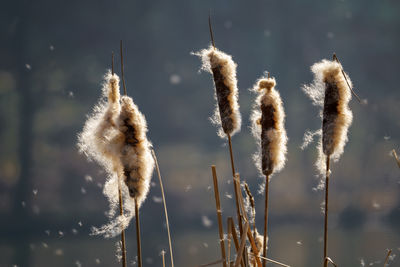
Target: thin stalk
[242, 245]
[329, 260]
[229, 241]
[165, 206]
[254, 248]
[219, 214]
[396, 157]
[235, 237]
[163, 258]
[121, 213]
[326, 211]
[138, 241]
[345, 77]
[122, 67]
[265, 220]
[241, 210]
[387, 257]
[121, 208]
[273, 261]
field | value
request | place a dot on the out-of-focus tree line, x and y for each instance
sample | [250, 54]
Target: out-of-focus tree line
[53, 56]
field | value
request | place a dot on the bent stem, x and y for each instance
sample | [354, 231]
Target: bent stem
[387, 257]
[165, 206]
[326, 211]
[121, 213]
[265, 220]
[219, 215]
[138, 241]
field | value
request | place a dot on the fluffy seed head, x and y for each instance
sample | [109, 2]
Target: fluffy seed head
[223, 69]
[138, 164]
[330, 91]
[268, 127]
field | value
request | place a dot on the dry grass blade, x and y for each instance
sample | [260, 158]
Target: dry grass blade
[387, 257]
[165, 205]
[138, 241]
[273, 261]
[242, 245]
[396, 157]
[219, 215]
[345, 77]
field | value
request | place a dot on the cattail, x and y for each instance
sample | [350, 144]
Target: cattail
[331, 89]
[102, 141]
[268, 127]
[332, 92]
[136, 158]
[223, 69]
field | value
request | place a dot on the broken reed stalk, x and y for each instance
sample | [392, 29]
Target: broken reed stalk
[121, 208]
[326, 211]
[396, 157]
[235, 237]
[163, 258]
[219, 214]
[265, 220]
[387, 257]
[138, 241]
[242, 245]
[165, 206]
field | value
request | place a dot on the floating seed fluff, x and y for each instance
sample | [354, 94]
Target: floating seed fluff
[223, 70]
[330, 91]
[268, 127]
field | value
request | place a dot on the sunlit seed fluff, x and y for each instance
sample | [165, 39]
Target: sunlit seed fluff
[330, 91]
[259, 240]
[268, 128]
[137, 161]
[102, 141]
[223, 69]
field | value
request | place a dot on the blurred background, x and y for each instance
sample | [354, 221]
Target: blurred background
[53, 57]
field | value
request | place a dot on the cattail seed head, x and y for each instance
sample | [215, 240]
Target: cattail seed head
[330, 91]
[138, 164]
[268, 127]
[223, 69]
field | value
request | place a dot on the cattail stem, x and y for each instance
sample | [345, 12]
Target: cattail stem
[387, 257]
[122, 67]
[165, 206]
[121, 212]
[138, 241]
[219, 214]
[396, 157]
[235, 189]
[326, 211]
[265, 220]
[163, 258]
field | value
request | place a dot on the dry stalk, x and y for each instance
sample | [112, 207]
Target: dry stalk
[265, 220]
[219, 214]
[163, 258]
[387, 257]
[138, 241]
[242, 245]
[229, 222]
[211, 263]
[165, 206]
[235, 237]
[270, 260]
[396, 157]
[326, 212]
